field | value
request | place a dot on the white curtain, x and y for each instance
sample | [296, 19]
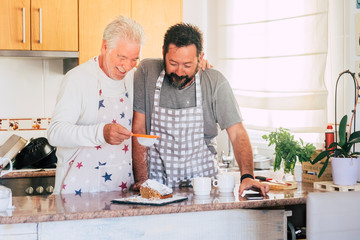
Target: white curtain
[274, 54]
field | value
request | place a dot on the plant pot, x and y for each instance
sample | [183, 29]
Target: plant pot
[280, 174]
[345, 171]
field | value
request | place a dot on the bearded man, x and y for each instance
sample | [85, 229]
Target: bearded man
[185, 107]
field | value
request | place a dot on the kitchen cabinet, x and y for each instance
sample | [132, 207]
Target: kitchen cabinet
[15, 24]
[46, 25]
[155, 16]
[28, 231]
[216, 216]
[94, 15]
[221, 224]
[78, 25]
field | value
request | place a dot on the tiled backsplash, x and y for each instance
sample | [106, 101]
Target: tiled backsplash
[28, 91]
[22, 124]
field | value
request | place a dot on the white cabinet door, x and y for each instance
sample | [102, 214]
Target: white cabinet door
[21, 231]
[224, 224]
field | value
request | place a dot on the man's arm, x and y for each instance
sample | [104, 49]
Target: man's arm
[139, 152]
[244, 157]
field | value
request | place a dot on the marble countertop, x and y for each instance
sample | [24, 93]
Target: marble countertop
[32, 209]
[30, 173]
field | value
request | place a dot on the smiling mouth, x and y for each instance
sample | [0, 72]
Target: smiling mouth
[121, 70]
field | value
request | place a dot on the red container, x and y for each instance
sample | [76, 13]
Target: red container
[329, 137]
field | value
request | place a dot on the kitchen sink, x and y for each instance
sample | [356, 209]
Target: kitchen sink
[230, 169]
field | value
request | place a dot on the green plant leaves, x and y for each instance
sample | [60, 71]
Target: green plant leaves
[342, 131]
[354, 140]
[342, 148]
[355, 154]
[288, 149]
[353, 136]
[324, 167]
[321, 156]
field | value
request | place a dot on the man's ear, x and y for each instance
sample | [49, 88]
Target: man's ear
[201, 56]
[163, 51]
[104, 46]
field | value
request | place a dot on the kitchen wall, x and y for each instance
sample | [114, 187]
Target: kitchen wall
[28, 87]
[28, 90]
[353, 41]
[342, 51]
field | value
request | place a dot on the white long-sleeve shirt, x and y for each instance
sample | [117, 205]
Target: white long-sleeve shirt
[74, 121]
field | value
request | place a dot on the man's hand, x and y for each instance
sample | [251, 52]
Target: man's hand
[139, 152]
[136, 186]
[115, 134]
[251, 184]
[204, 64]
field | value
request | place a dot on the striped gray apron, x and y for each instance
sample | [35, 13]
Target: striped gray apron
[181, 153]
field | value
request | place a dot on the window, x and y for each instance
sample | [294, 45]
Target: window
[274, 55]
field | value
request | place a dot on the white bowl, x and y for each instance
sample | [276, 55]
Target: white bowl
[147, 142]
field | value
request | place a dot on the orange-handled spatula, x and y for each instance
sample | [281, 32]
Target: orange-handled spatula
[146, 140]
[145, 135]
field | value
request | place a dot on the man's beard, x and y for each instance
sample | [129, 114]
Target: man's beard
[180, 82]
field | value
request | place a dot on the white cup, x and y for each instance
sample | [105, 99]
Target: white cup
[201, 185]
[2, 161]
[225, 183]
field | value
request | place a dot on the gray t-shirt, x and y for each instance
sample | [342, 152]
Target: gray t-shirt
[219, 105]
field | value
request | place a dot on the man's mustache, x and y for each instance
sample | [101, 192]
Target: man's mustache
[177, 77]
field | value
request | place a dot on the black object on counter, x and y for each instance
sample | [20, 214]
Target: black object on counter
[38, 153]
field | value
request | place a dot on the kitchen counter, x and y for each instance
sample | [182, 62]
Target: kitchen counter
[26, 173]
[36, 209]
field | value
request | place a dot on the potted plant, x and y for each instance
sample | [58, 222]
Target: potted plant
[344, 162]
[288, 150]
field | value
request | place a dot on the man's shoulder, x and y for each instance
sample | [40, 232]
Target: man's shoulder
[86, 67]
[213, 77]
[82, 72]
[151, 62]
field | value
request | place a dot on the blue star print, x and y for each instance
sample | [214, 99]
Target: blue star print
[126, 95]
[78, 192]
[107, 176]
[101, 104]
[122, 115]
[100, 164]
[129, 122]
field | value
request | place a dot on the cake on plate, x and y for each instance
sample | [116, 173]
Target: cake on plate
[152, 189]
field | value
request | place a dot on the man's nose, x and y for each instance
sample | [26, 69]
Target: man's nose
[128, 64]
[180, 71]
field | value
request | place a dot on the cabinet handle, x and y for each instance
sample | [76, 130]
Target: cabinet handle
[23, 23]
[40, 26]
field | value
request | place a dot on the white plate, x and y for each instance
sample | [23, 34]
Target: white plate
[144, 201]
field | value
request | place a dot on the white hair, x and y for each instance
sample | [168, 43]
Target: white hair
[125, 28]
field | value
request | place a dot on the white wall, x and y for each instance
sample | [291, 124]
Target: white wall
[28, 90]
[342, 53]
[353, 41]
[28, 87]
[202, 13]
